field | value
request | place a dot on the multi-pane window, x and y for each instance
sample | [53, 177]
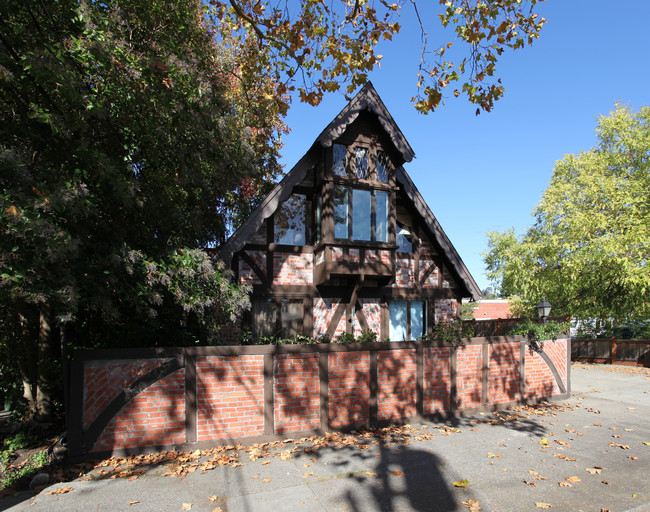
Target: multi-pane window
[382, 167]
[361, 214]
[407, 319]
[339, 152]
[290, 226]
[361, 163]
[273, 317]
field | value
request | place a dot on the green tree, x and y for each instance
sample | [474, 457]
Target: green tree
[125, 137]
[589, 247]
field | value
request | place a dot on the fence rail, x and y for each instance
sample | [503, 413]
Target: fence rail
[612, 351]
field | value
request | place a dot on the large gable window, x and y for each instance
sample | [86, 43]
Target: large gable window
[407, 319]
[290, 225]
[361, 214]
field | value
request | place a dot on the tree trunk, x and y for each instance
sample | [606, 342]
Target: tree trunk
[43, 404]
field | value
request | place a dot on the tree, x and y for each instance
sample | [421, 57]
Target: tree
[327, 45]
[589, 247]
[125, 138]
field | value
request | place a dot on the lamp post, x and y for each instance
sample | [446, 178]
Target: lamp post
[543, 310]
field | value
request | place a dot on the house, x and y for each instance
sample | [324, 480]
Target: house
[345, 243]
[492, 309]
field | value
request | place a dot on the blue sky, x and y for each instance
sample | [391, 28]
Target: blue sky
[487, 173]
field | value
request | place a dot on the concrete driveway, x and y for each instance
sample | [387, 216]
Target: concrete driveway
[591, 453]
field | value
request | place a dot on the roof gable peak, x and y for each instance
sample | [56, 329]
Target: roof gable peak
[366, 99]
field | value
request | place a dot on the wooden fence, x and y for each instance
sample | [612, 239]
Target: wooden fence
[612, 351]
[501, 326]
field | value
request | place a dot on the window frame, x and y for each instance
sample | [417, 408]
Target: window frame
[349, 223]
[409, 317]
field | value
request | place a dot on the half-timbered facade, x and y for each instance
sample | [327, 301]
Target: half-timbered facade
[345, 243]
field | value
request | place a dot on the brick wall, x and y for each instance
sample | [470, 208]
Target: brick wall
[293, 269]
[539, 378]
[469, 360]
[296, 395]
[246, 273]
[349, 388]
[230, 399]
[503, 376]
[396, 384]
[106, 379]
[437, 380]
[371, 309]
[323, 312]
[446, 310]
[155, 417]
[404, 273]
[261, 390]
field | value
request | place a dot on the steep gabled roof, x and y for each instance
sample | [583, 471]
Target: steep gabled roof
[438, 233]
[366, 99]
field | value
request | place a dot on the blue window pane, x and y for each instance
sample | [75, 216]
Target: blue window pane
[417, 319]
[290, 225]
[382, 167]
[403, 239]
[381, 211]
[361, 214]
[341, 212]
[397, 314]
[338, 159]
[361, 163]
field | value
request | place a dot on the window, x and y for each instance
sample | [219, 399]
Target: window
[291, 315]
[273, 317]
[382, 167]
[290, 221]
[341, 212]
[361, 163]
[403, 238]
[361, 214]
[264, 318]
[364, 211]
[339, 152]
[407, 319]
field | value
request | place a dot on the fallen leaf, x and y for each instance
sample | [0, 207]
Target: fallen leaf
[543, 441]
[311, 473]
[532, 484]
[370, 474]
[266, 480]
[472, 505]
[633, 457]
[462, 483]
[629, 430]
[188, 506]
[564, 484]
[647, 443]
[218, 509]
[593, 471]
[573, 479]
[563, 443]
[212, 498]
[623, 446]
[60, 490]
[266, 463]
[256, 476]
[494, 455]
[133, 502]
[541, 504]
[616, 435]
